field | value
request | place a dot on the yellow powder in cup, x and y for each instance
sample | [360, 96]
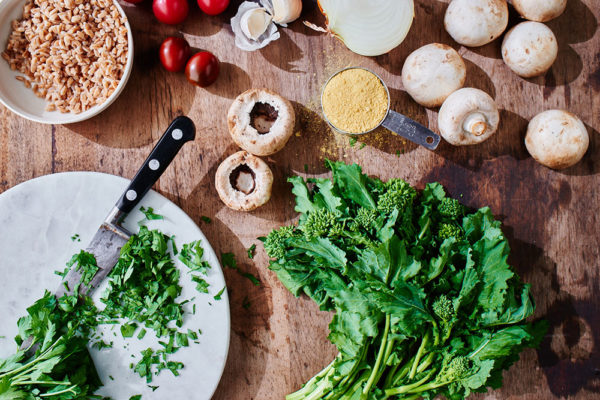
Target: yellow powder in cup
[355, 101]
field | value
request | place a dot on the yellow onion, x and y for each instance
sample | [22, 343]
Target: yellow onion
[368, 27]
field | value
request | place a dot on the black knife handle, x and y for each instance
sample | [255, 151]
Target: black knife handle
[180, 131]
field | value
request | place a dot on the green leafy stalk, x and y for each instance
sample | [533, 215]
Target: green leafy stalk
[425, 302]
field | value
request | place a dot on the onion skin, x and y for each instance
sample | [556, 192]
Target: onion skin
[378, 45]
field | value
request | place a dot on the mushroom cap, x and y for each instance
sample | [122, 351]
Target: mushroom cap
[475, 23]
[432, 72]
[540, 10]
[557, 139]
[529, 49]
[468, 116]
[275, 116]
[244, 165]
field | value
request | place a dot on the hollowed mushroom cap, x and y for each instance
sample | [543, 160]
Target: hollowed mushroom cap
[468, 116]
[261, 121]
[540, 10]
[529, 49]
[433, 72]
[244, 181]
[475, 23]
[557, 139]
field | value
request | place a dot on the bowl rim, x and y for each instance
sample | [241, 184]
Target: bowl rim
[70, 118]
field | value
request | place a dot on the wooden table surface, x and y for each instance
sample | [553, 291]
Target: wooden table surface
[551, 218]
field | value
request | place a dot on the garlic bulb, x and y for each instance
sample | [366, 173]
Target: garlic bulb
[286, 11]
[369, 27]
[255, 22]
[247, 26]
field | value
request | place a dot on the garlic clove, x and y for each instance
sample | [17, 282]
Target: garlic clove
[286, 11]
[255, 22]
[244, 42]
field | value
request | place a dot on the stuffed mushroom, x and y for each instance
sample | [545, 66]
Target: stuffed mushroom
[244, 181]
[261, 121]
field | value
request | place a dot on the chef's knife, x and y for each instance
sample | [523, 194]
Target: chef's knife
[110, 237]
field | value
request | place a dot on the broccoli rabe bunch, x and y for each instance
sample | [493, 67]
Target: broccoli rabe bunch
[425, 303]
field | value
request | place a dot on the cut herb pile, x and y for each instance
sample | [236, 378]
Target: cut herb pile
[61, 367]
[425, 302]
[142, 292]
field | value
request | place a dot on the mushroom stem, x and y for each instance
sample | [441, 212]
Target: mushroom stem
[476, 124]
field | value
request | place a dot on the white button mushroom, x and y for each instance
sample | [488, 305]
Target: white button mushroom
[475, 23]
[557, 139]
[260, 121]
[540, 10]
[468, 116]
[244, 181]
[432, 72]
[529, 49]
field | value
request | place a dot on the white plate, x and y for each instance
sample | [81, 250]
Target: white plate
[21, 100]
[38, 219]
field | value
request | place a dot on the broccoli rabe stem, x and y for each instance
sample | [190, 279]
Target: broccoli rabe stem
[382, 348]
[415, 365]
[312, 384]
[409, 388]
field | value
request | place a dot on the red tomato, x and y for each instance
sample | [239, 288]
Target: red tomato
[202, 69]
[213, 7]
[174, 53]
[170, 11]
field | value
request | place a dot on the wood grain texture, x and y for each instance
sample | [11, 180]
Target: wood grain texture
[551, 218]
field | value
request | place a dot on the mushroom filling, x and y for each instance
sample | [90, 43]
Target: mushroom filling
[262, 117]
[242, 179]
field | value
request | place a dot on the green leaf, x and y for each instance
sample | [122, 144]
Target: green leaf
[304, 204]
[352, 183]
[327, 192]
[127, 330]
[218, 295]
[322, 248]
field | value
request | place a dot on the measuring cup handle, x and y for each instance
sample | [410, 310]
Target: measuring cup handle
[411, 130]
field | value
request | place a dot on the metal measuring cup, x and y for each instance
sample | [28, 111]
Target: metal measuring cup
[393, 121]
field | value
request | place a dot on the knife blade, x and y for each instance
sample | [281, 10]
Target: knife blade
[111, 236]
[105, 246]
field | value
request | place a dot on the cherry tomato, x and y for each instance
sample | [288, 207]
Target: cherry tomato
[202, 69]
[213, 7]
[174, 53]
[170, 11]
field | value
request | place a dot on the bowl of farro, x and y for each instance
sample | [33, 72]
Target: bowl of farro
[63, 61]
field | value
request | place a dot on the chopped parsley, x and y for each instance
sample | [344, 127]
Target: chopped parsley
[149, 214]
[206, 219]
[251, 251]
[86, 265]
[218, 295]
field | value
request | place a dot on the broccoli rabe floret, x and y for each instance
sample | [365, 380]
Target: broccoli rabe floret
[451, 208]
[365, 218]
[458, 368]
[275, 242]
[398, 194]
[443, 308]
[449, 230]
[320, 223]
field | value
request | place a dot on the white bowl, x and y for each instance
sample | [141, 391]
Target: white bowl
[21, 100]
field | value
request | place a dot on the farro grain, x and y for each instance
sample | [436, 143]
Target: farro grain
[73, 52]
